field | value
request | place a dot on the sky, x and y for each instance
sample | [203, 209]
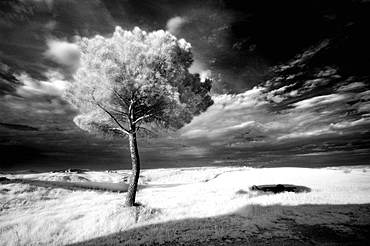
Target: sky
[290, 82]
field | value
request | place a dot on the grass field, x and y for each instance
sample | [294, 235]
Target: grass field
[195, 206]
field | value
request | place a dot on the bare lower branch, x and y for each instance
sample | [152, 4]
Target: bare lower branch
[120, 112]
[121, 98]
[111, 115]
[115, 120]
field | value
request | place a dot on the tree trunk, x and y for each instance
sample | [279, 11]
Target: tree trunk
[135, 160]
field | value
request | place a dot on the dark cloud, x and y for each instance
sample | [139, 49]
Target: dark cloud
[8, 82]
[14, 12]
[265, 33]
[11, 154]
[18, 127]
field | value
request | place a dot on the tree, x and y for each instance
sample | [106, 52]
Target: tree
[134, 84]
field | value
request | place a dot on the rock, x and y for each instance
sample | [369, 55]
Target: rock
[275, 189]
[4, 179]
[279, 188]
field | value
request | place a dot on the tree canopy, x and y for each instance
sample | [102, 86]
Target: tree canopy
[136, 79]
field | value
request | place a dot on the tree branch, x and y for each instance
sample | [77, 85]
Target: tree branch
[120, 112]
[115, 120]
[120, 97]
[131, 107]
[120, 129]
[130, 110]
[142, 117]
[150, 110]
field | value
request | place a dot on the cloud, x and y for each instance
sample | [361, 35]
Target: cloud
[174, 24]
[251, 119]
[14, 13]
[193, 151]
[280, 94]
[228, 113]
[32, 87]
[8, 82]
[49, 3]
[352, 86]
[4, 68]
[57, 80]
[319, 101]
[306, 134]
[365, 107]
[18, 127]
[52, 106]
[350, 124]
[324, 153]
[50, 25]
[63, 53]
[197, 67]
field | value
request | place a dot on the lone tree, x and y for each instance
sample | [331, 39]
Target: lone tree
[135, 84]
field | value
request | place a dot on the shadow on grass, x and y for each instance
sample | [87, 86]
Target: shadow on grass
[255, 225]
[102, 186]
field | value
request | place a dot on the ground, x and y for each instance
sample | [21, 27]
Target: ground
[188, 206]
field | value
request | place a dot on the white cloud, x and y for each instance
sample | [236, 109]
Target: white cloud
[248, 99]
[352, 86]
[280, 94]
[365, 95]
[32, 87]
[57, 80]
[305, 134]
[242, 125]
[322, 153]
[314, 83]
[349, 124]
[229, 113]
[319, 100]
[63, 53]
[174, 24]
[251, 115]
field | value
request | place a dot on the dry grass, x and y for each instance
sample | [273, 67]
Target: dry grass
[211, 203]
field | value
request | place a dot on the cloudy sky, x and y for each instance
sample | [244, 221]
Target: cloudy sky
[291, 82]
